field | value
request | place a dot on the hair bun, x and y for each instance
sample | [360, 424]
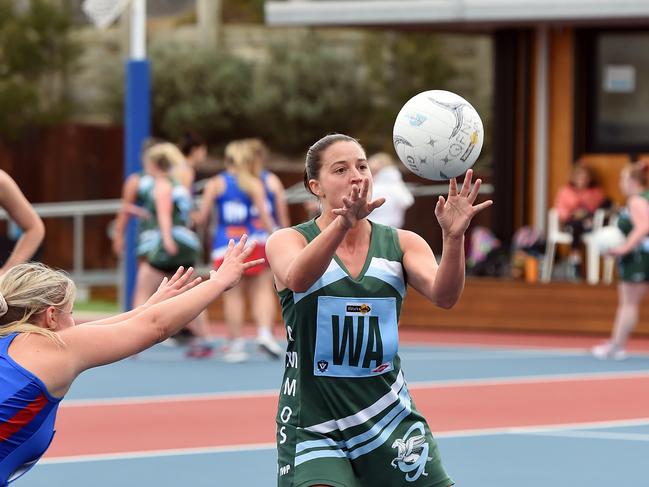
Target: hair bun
[3, 306]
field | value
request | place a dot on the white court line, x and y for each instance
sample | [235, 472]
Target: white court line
[532, 430]
[529, 379]
[489, 381]
[522, 347]
[102, 457]
[541, 429]
[593, 435]
[489, 355]
[205, 396]
[505, 351]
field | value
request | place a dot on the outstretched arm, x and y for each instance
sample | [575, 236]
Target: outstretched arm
[443, 284]
[180, 282]
[20, 211]
[91, 345]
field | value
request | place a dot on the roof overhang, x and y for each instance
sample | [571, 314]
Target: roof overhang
[451, 12]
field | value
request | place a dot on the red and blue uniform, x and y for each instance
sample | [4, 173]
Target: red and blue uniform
[236, 214]
[27, 415]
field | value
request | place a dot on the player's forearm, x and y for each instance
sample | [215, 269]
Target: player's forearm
[171, 315]
[634, 239]
[449, 279]
[27, 244]
[313, 260]
[120, 317]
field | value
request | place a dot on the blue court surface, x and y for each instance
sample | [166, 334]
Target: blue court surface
[599, 443]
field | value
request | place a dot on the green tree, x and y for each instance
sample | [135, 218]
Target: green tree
[35, 54]
[306, 90]
[201, 90]
[398, 66]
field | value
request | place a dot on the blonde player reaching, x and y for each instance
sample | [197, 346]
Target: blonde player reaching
[42, 351]
[345, 415]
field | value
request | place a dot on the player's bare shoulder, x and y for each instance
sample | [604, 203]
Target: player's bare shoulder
[284, 240]
[409, 239]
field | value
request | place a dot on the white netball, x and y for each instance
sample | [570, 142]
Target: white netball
[438, 135]
[607, 238]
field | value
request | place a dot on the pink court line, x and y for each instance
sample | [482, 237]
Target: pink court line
[511, 404]
[265, 393]
[466, 433]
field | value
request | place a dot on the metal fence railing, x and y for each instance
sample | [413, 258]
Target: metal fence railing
[78, 211]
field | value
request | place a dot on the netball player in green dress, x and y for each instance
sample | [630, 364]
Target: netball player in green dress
[345, 415]
[633, 263]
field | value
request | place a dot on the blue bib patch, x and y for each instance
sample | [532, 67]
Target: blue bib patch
[356, 337]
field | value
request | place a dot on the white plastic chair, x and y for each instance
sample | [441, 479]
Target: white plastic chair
[593, 255]
[556, 236]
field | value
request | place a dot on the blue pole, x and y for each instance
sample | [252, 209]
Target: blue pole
[137, 127]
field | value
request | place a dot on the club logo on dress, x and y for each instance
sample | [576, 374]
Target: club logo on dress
[323, 365]
[412, 453]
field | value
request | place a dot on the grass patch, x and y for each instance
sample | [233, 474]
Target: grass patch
[96, 306]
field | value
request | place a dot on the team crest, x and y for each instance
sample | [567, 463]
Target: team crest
[323, 365]
[412, 453]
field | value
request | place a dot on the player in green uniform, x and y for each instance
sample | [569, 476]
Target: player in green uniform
[345, 416]
[633, 264]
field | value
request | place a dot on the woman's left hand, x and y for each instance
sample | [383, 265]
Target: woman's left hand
[455, 213]
[180, 282]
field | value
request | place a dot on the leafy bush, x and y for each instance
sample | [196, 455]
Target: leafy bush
[201, 90]
[304, 89]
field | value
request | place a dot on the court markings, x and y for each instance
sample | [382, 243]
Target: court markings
[567, 430]
[440, 383]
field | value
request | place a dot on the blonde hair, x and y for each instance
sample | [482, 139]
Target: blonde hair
[27, 290]
[260, 152]
[240, 156]
[165, 156]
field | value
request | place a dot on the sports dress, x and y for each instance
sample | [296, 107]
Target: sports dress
[150, 238]
[634, 266]
[27, 415]
[236, 214]
[345, 416]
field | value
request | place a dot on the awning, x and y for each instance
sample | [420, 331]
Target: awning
[401, 12]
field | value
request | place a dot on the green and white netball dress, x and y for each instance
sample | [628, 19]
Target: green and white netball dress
[150, 238]
[345, 416]
[634, 266]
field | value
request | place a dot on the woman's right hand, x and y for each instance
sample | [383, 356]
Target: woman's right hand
[355, 206]
[170, 246]
[234, 264]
